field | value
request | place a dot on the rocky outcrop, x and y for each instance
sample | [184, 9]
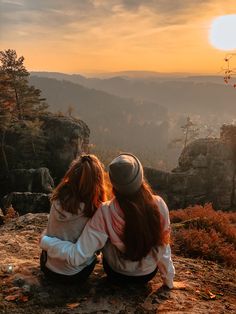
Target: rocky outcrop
[59, 140]
[30, 180]
[30, 187]
[205, 173]
[63, 139]
[27, 202]
[67, 138]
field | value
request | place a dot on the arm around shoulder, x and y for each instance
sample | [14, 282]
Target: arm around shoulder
[77, 253]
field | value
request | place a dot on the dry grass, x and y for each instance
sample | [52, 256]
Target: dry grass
[205, 233]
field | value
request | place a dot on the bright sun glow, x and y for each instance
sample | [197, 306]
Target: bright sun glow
[223, 32]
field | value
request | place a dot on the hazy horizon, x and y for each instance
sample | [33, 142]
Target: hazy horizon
[124, 71]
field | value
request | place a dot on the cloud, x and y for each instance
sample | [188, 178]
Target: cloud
[162, 6]
[168, 8]
[60, 13]
[13, 2]
[89, 27]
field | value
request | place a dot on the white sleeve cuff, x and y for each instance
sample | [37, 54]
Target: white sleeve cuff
[45, 240]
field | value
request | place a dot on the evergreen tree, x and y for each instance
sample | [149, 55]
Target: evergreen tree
[32, 141]
[20, 106]
[27, 99]
[6, 114]
[190, 131]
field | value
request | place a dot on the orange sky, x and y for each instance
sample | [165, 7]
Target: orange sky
[113, 35]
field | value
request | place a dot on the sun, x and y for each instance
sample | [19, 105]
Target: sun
[222, 33]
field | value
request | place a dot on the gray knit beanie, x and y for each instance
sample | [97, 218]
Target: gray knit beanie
[126, 173]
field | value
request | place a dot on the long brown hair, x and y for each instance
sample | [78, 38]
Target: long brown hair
[143, 222]
[83, 182]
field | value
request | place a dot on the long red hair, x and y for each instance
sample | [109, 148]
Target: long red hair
[83, 182]
[143, 222]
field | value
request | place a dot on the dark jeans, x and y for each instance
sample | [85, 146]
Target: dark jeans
[77, 278]
[123, 279]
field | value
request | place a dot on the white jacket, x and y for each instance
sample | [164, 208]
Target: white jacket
[105, 231]
[65, 226]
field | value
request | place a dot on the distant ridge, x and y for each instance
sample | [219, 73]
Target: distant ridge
[183, 95]
[137, 74]
[140, 115]
[114, 121]
[130, 75]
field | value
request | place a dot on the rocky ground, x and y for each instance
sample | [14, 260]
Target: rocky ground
[200, 287]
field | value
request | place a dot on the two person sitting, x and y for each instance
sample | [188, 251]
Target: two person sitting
[132, 229]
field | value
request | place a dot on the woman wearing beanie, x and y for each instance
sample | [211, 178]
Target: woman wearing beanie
[132, 230]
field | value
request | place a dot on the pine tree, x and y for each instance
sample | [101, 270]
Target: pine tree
[32, 140]
[6, 114]
[190, 131]
[20, 105]
[27, 99]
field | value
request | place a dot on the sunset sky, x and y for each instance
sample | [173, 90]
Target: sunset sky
[78, 36]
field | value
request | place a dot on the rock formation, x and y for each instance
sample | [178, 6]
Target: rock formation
[67, 138]
[32, 186]
[30, 180]
[27, 202]
[61, 139]
[64, 139]
[205, 173]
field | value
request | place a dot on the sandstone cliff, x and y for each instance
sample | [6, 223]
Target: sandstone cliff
[205, 173]
[64, 138]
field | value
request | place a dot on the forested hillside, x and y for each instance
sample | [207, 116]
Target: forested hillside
[146, 115]
[191, 94]
[115, 122]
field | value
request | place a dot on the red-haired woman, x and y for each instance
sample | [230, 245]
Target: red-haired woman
[74, 202]
[133, 230]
